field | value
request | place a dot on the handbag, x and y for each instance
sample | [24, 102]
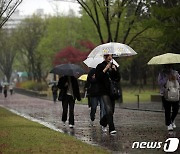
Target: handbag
[114, 89]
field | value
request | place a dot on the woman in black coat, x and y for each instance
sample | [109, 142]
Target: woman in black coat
[70, 92]
[104, 71]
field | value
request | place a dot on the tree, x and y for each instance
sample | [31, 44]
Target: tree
[69, 55]
[119, 17]
[7, 53]
[29, 34]
[166, 19]
[7, 8]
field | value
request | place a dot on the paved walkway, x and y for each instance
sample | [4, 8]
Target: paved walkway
[131, 125]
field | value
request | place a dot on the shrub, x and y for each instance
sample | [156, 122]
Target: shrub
[32, 85]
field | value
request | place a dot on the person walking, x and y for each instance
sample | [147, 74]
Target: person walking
[54, 92]
[11, 88]
[166, 75]
[94, 96]
[105, 72]
[5, 89]
[70, 88]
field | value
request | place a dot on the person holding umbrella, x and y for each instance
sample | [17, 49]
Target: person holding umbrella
[70, 88]
[105, 72]
[168, 74]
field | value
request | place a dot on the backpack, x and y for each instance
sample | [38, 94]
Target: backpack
[172, 91]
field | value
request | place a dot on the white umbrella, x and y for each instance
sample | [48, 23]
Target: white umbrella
[93, 62]
[117, 49]
[168, 58]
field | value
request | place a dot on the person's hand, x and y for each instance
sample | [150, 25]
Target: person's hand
[114, 67]
[94, 76]
[108, 66]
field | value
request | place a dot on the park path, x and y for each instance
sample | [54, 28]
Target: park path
[131, 125]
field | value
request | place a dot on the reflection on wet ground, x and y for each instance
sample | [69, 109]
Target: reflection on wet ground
[131, 125]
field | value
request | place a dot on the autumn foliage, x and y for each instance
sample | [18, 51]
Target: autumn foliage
[72, 55]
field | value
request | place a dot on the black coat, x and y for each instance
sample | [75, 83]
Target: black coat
[61, 85]
[94, 89]
[103, 78]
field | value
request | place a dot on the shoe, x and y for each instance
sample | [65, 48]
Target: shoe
[112, 132]
[173, 125]
[91, 123]
[104, 129]
[64, 123]
[170, 127]
[71, 126]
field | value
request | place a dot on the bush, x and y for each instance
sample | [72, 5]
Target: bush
[32, 85]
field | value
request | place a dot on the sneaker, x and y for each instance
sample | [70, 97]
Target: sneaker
[71, 126]
[173, 125]
[64, 123]
[112, 132]
[104, 129]
[170, 127]
[91, 123]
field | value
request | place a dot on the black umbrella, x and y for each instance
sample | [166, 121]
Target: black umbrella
[68, 69]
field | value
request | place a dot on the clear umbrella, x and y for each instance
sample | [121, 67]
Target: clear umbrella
[117, 49]
[93, 62]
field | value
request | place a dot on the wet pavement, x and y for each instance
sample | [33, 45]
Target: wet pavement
[131, 125]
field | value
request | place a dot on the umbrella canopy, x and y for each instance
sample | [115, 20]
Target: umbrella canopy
[68, 69]
[168, 58]
[117, 49]
[93, 62]
[83, 77]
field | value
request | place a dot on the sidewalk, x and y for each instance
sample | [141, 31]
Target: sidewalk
[131, 125]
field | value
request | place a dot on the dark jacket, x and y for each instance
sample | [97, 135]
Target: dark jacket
[94, 89]
[103, 78]
[61, 85]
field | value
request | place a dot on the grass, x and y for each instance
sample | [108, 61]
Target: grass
[19, 135]
[130, 96]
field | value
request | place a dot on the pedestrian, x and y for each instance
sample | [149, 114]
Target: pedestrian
[94, 96]
[54, 89]
[69, 86]
[105, 72]
[86, 89]
[166, 75]
[5, 89]
[11, 88]
[1, 88]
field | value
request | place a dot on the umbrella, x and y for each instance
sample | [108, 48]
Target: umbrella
[68, 69]
[117, 49]
[93, 62]
[168, 58]
[83, 77]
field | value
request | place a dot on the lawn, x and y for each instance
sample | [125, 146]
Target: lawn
[19, 135]
[130, 95]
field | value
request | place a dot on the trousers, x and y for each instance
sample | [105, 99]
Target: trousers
[109, 105]
[168, 106]
[95, 100]
[68, 101]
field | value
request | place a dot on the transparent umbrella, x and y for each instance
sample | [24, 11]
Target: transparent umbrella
[93, 62]
[117, 49]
